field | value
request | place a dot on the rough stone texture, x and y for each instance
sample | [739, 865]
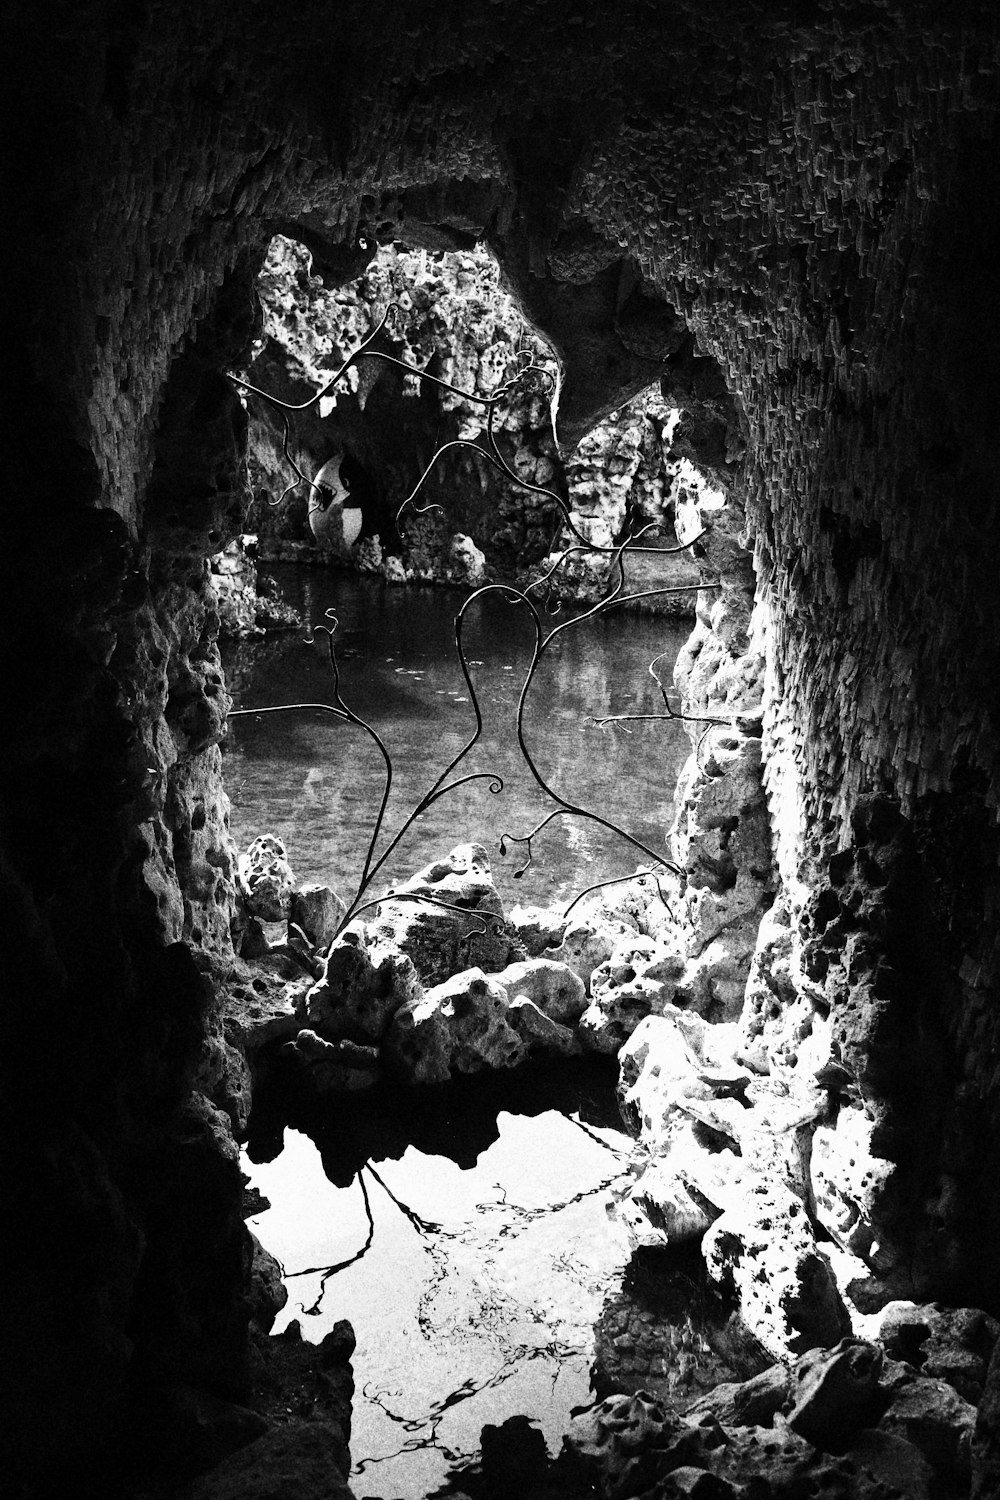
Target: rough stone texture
[361, 990]
[765, 1249]
[441, 939]
[319, 912]
[460, 1026]
[952, 1343]
[788, 214]
[300, 1457]
[266, 881]
[553, 987]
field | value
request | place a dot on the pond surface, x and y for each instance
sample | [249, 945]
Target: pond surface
[473, 1260]
[316, 782]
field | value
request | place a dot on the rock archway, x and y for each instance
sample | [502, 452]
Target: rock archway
[788, 214]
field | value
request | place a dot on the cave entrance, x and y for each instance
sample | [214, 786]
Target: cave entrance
[459, 1222]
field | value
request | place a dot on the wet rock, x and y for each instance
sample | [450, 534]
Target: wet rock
[265, 880]
[318, 910]
[836, 1391]
[537, 927]
[765, 1249]
[268, 1293]
[953, 1343]
[361, 990]
[553, 987]
[304, 1458]
[470, 929]
[460, 1026]
[748, 1403]
[333, 1067]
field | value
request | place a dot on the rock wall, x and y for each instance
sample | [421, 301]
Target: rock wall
[456, 321]
[787, 214]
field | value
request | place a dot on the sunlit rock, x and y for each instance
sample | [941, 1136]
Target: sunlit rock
[679, 1191]
[638, 979]
[460, 923]
[461, 1026]
[265, 879]
[553, 987]
[847, 1177]
[669, 1061]
[587, 942]
[537, 927]
[764, 1247]
[360, 991]
[319, 911]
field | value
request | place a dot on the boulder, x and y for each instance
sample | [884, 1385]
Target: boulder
[539, 1032]
[319, 911]
[265, 880]
[587, 942]
[746, 1403]
[764, 1248]
[537, 927]
[460, 1026]
[934, 1419]
[553, 987]
[360, 991]
[443, 939]
[836, 1391]
[951, 1343]
[638, 979]
[333, 1067]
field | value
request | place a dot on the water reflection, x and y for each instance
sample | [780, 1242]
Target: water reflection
[316, 783]
[473, 1289]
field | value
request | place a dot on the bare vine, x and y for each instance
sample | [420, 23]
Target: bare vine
[529, 377]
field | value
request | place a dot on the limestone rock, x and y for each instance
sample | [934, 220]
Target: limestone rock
[442, 940]
[847, 1178]
[952, 1343]
[360, 991]
[265, 879]
[682, 1188]
[554, 987]
[747, 1403]
[986, 1436]
[672, 1061]
[539, 1032]
[460, 1026]
[624, 1444]
[318, 910]
[587, 942]
[932, 1416]
[466, 564]
[333, 1067]
[636, 980]
[764, 1247]
[836, 1391]
[268, 1293]
[537, 927]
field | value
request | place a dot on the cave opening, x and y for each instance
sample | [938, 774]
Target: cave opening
[786, 216]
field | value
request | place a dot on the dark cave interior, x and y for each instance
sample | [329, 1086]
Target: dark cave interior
[785, 213]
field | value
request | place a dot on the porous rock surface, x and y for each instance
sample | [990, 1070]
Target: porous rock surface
[786, 215]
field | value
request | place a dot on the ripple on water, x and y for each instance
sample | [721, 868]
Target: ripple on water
[477, 1297]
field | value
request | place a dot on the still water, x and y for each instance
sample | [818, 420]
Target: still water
[316, 782]
[471, 1250]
